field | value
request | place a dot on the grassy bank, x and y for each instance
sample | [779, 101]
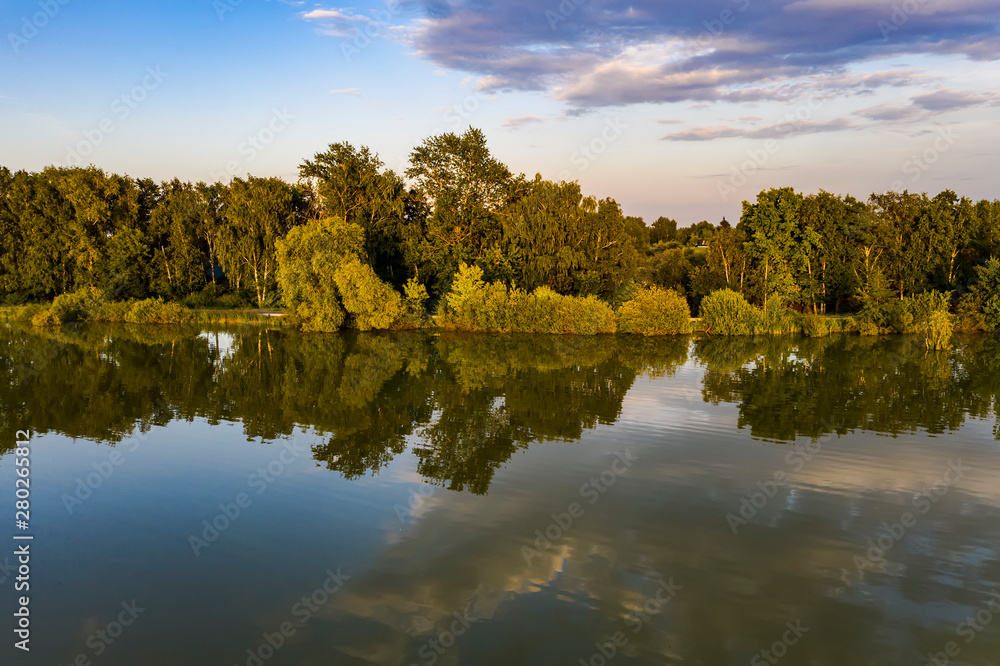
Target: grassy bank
[87, 305]
[475, 305]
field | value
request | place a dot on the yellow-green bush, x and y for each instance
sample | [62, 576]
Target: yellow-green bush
[89, 305]
[555, 313]
[326, 282]
[727, 312]
[414, 310]
[815, 326]
[776, 319]
[371, 302]
[937, 330]
[655, 311]
[155, 311]
[475, 305]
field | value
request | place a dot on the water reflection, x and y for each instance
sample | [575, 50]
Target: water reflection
[468, 402]
[505, 429]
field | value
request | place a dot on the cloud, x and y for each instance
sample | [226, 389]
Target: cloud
[670, 121]
[346, 91]
[948, 100]
[776, 131]
[619, 52]
[343, 23]
[522, 121]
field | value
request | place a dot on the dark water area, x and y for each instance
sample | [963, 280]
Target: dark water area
[251, 496]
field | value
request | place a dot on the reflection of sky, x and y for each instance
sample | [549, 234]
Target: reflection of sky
[461, 553]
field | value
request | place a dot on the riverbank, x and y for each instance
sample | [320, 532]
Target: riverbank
[476, 306]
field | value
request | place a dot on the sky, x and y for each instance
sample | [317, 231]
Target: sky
[681, 109]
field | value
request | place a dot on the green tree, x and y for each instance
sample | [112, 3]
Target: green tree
[663, 230]
[324, 278]
[258, 211]
[781, 248]
[907, 243]
[555, 237]
[468, 190]
[640, 233]
[353, 184]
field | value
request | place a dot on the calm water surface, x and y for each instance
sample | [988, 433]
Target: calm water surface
[446, 499]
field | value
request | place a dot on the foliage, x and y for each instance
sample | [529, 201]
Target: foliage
[215, 245]
[258, 212]
[817, 326]
[986, 294]
[370, 302]
[326, 283]
[353, 185]
[937, 331]
[414, 313]
[655, 311]
[726, 312]
[88, 305]
[476, 305]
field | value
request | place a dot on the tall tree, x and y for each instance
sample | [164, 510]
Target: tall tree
[663, 230]
[469, 190]
[354, 186]
[907, 243]
[781, 248]
[554, 236]
[258, 211]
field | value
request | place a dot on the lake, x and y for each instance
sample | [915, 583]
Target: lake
[251, 496]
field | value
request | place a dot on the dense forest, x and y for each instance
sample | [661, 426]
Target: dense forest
[215, 244]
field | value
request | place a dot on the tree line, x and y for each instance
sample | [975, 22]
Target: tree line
[63, 229]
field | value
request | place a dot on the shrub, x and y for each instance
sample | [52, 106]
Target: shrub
[371, 302]
[475, 305]
[776, 319]
[67, 308]
[155, 311]
[655, 311]
[987, 294]
[117, 311]
[726, 312]
[27, 312]
[76, 305]
[815, 326]
[45, 317]
[555, 313]
[324, 278]
[937, 331]
[414, 309]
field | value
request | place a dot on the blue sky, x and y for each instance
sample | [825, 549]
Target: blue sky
[672, 108]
